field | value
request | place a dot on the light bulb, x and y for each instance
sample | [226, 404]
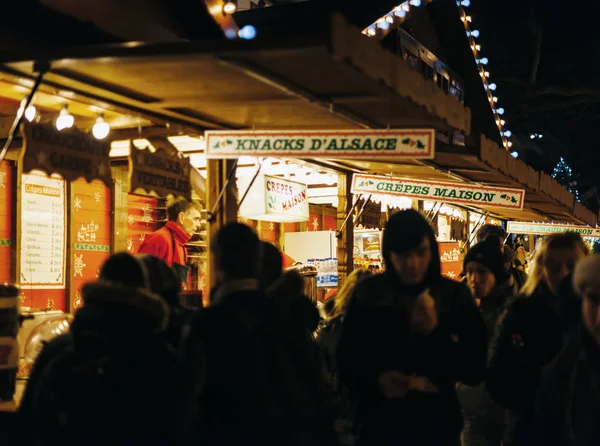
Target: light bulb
[515, 154]
[502, 122]
[484, 61]
[508, 133]
[540, 136]
[65, 119]
[400, 12]
[468, 18]
[466, 3]
[101, 128]
[532, 136]
[478, 47]
[500, 111]
[416, 3]
[371, 32]
[486, 74]
[248, 32]
[383, 24]
[30, 113]
[475, 33]
[493, 87]
[229, 8]
[389, 19]
[509, 144]
[495, 99]
[406, 6]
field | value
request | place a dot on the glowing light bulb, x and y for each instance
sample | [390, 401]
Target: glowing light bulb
[400, 13]
[466, 3]
[495, 99]
[382, 24]
[229, 8]
[469, 18]
[101, 128]
[478, 47]
[515, 154]
[371, 32]
[486, 73]
[30, 113]
[502, 121]
[500, 111]
[406, 6]
[475, 33]
[509, 144]
[493, 87]
[532, 136]
[65, 119]
[484, 61]
[416, 3]
[248, 32]
[508, 133]
[389, 19]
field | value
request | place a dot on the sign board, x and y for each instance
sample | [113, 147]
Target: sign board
[406, 143]
[523, 227]
[371, 214]
[470, 194]
[43, 236]
[274, 199]
[70, 153]
[160, 172]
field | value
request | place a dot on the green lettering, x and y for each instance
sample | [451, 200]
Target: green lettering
[488, 197]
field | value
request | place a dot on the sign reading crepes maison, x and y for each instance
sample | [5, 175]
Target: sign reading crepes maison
[406, 143]
[161, 172]
[522, 227]
[489, 197]
[70, 153]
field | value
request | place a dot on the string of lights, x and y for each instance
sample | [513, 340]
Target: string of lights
[382, 26]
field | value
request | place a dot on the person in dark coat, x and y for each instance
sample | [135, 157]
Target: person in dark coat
[568, 402]
[287, 288]
[530, 334]
[409, 335]
[491, 286]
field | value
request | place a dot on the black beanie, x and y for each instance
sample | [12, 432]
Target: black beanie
[488, 254]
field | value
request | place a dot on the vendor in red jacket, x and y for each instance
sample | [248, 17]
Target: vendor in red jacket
[168, 242]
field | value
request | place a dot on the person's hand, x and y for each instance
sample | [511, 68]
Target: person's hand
[393, 384]
[424, 317]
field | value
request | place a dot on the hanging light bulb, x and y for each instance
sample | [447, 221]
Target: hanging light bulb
[248, 32]
[500, 111]
[416, 3]
[229, 7]
[65, 119]
[30, 113]
[502, 122]
[406, 6]
[466, 3]
[383, 24]
[101, 128]
[493, 87]
[475, 33]
[508, 133]
[484, 61]
[389, 19]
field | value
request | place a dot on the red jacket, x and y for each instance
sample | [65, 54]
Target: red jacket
[160, 244]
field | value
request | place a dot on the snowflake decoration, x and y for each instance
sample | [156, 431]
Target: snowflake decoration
[2, 180]
[451, 274]
[78, 265]
[77, 204]
[271, 226]
[78, 302]
[129, 245]
[147, 218]
[97, 197]
[315, 223]
[142, 238]
[130, 219]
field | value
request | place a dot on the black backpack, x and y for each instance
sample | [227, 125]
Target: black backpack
[98, 392]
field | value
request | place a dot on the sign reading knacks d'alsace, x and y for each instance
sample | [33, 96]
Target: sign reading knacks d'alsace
[70, 153]
[405, 143]
[523, 227]
[483, 196]
[160, 172]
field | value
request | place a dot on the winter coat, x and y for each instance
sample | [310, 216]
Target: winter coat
[528, 337]
[160, 244]
[232, 374]
[484, 418]
[377, 337]
[130, 320]
[288, 291]
[568, 402]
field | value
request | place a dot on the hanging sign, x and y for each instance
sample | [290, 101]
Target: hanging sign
[70, 153]
[371, 214]
[406, 143]
[484, 196]
[522, 227]
[43, 236]
[160, 172]
[274, 199]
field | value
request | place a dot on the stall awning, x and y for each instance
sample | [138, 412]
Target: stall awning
[333, 77]
[489, 165]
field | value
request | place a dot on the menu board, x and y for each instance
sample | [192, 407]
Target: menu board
[43, 237]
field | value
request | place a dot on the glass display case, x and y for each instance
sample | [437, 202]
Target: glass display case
[367, 250]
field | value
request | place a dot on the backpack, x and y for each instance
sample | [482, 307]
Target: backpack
[98, 392]
[284, 394]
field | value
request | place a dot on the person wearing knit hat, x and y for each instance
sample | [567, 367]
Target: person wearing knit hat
[490, 285]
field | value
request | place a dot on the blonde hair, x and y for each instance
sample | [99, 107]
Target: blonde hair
[342, 298]
[563, 240]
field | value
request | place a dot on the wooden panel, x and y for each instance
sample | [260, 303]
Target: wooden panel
[5, 221]
[90, 234]
[143, 218]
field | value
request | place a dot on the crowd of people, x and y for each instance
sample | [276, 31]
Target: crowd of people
[403, 357]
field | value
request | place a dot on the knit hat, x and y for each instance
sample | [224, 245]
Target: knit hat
[488, 254]
[587, 274]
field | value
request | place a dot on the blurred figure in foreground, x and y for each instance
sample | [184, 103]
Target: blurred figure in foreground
[409, 335]
[531, 332]
[568, 401]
